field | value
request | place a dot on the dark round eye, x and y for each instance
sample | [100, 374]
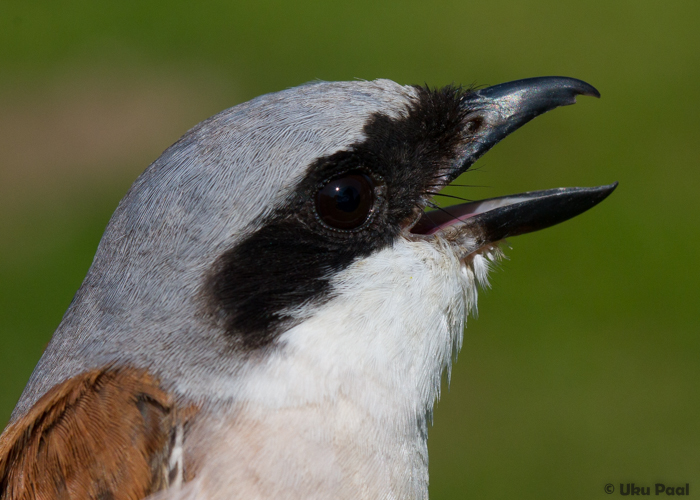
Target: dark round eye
[346, 202]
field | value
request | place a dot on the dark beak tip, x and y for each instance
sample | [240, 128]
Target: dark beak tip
[579, 87]
[561, 85]
[595, 93]
[554, 91]
[607, 190]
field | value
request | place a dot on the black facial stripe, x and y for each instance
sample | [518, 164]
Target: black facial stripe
[291, 259]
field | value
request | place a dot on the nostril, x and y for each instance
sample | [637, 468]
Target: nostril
[474, 124]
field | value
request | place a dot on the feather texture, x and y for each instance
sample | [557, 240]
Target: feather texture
[104, 434]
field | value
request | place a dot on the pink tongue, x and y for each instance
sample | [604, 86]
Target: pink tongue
[433, 221]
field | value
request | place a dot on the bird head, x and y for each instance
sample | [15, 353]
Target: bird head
[280, 253]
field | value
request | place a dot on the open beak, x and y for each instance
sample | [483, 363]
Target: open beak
[493, 113]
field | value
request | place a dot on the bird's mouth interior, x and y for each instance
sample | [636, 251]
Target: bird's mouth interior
[432, 221]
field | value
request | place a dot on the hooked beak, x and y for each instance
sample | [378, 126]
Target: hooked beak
[495, 112]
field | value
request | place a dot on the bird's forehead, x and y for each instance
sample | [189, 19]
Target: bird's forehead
[281, 134]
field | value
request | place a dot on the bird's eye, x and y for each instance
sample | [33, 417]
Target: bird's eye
[346, 202]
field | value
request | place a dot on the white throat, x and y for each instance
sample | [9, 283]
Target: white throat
[349, 394]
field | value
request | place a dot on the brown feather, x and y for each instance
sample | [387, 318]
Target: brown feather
[104, 435]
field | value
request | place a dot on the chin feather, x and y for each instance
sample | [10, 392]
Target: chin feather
[476, 267]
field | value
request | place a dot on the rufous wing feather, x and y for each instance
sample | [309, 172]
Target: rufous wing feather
[105, 434]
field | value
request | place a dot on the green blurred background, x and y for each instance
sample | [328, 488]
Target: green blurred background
[583, 367]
